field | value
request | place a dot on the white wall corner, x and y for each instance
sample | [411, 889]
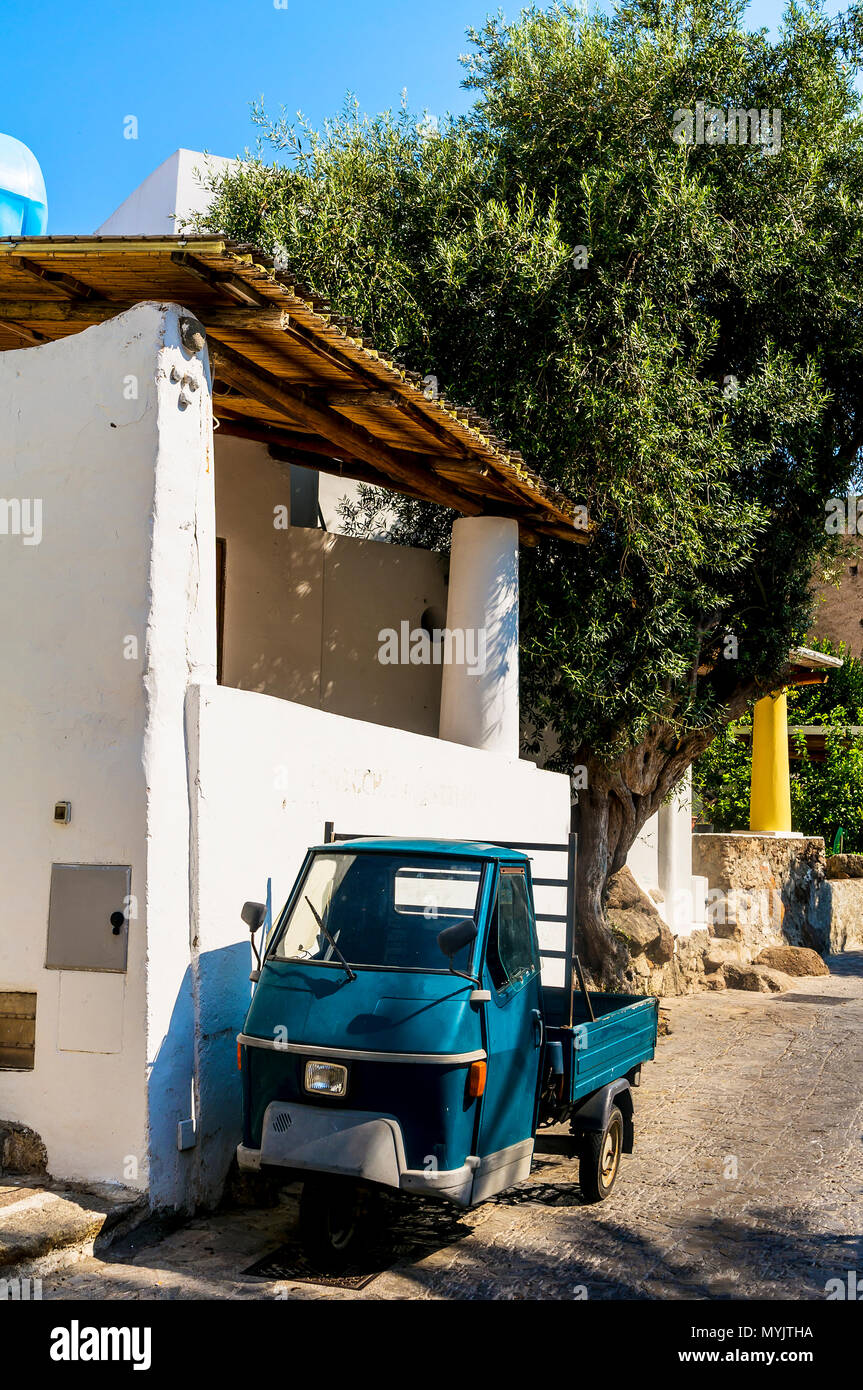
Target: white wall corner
[78, 431]
[180, 650]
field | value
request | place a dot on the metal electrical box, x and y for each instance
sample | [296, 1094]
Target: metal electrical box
[88, 923]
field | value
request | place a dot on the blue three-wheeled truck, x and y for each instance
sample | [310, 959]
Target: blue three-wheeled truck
[399, 1037]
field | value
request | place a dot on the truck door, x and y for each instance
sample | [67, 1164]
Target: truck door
[514, 1033]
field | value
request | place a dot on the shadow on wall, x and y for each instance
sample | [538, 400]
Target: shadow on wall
[194, 1176]
[169, 1090]
[302, 622]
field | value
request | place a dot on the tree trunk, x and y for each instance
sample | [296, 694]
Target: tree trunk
[614, 806]
[606, 830]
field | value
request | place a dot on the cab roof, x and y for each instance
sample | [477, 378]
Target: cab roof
[468, 849]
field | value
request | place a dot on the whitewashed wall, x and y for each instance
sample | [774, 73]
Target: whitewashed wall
[106, 625]
[661, 863]
[181, 648]
[266, 776]
[168, 196]
[91, 426]
[643, 857]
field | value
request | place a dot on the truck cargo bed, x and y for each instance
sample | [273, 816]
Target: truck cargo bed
[622, 1037]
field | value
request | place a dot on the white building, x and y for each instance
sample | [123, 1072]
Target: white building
[168, 197]
[191, 685]
[144, 798]
[661, 858]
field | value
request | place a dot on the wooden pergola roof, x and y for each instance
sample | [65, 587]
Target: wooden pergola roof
[815, 736]
[809, 667]
[286, 370]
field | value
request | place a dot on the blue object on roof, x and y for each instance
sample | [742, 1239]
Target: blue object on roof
[23, 202]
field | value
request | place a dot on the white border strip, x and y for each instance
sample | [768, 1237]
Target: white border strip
[438, 1058]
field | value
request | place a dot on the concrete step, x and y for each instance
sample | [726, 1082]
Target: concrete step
[39, 1217]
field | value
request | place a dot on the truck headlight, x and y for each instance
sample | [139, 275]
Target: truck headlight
[326, 1078]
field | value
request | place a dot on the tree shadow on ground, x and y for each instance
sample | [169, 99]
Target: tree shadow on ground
[434, 1250]
[764, 1256]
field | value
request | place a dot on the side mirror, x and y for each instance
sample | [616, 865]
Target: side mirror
[452, 939]
[254, 915]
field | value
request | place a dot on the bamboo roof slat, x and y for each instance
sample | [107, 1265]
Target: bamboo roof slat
[286, 368]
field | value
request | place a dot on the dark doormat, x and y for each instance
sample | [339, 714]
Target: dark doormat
[412, 1230]
[288, 1264]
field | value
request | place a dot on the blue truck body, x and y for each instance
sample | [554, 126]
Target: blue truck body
[400, 1035]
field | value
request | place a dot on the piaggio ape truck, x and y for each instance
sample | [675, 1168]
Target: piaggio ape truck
[400, 1037]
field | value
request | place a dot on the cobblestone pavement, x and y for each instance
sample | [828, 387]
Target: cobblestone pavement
[747, 1181]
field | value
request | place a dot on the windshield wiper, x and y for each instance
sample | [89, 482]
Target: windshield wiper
[351, 974]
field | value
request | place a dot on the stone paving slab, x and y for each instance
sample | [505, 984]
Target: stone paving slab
[37, 1219]
[746, 1182]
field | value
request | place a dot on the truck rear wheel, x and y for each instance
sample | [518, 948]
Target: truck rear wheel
[600, 1159]
[337, 1220]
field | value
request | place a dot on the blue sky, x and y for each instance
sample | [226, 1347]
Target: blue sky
[72, 72]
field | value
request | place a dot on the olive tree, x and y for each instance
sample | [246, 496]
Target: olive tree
[640, 253]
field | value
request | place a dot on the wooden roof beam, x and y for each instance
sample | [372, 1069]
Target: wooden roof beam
[350, 470]
[347, 400]
[348, 364]
[285, 450]
[273, 319]
[468, 475]
[28, 334]
[299, 405]
[87, 311]
[231, 285]
[66, 285]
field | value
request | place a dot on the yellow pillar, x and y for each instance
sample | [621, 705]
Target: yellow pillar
[770, 790]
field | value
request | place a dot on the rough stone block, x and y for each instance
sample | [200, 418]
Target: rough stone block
[777, 980]
[635, 928]
[842, 866]
[625, 895]
[793, 960]
[755, 979]
[21, 1149]
[846, 913]
[726, 930]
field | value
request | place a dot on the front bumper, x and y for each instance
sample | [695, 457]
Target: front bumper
[354, 1143]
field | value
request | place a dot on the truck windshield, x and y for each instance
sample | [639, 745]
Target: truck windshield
[380, 909]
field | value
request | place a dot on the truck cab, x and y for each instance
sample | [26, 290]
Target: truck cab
[399, 1035]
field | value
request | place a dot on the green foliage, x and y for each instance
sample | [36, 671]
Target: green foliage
[825, 796]
[720, 778]
[828, 796]
[459, 247]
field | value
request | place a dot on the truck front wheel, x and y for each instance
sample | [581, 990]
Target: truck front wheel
[600, 1159]
[337, 1219]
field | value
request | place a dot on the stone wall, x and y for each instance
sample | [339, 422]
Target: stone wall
[768, 918]
[765, 890]
[845, 893]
